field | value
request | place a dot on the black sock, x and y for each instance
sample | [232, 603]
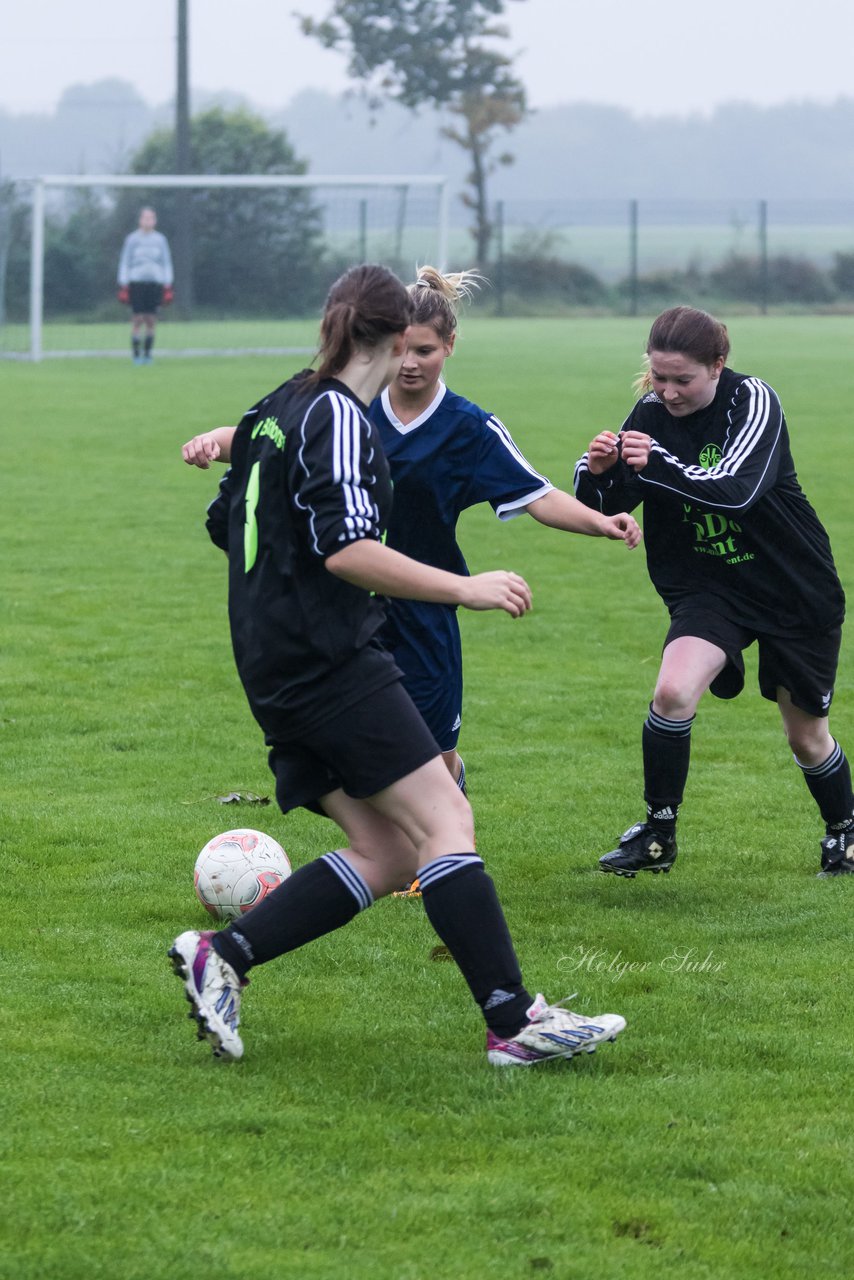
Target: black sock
[149, 343]
[135, 346]
[317, 898]
[666, 756]
[830, 786]
[462, 906]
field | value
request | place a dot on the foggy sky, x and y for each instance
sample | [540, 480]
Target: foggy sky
[663, 57]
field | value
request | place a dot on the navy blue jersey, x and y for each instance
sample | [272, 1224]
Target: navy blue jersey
[453, 456]
[724, 514]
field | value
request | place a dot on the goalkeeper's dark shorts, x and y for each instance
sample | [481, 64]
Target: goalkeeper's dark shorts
[145, 297]
[803, 665]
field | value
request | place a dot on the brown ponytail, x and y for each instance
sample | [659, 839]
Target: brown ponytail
[364, 307]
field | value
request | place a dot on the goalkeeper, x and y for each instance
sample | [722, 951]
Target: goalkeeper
[145, 281]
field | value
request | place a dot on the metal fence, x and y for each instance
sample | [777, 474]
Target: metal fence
[630, 253]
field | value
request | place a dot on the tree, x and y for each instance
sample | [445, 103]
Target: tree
[261, 245]
[79, 254]
[437, 53]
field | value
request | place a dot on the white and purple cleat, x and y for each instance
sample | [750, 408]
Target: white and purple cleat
[212, 988]
[552, 1032]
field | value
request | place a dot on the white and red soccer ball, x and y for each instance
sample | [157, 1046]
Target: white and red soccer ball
[236, 870]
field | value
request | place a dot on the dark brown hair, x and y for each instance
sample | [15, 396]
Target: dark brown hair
[690, 333]
[364, 307]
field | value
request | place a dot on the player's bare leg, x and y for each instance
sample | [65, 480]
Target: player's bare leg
[688, 667]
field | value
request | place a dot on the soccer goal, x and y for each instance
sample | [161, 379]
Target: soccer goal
[258, 252]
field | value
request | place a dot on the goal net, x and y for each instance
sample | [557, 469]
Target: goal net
[254, 254]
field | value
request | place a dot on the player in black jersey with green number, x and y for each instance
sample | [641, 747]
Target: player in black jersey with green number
[738, 555]
[301, 514]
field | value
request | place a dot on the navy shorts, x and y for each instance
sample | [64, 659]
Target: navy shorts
[145, 297]
[803, 665]
[363, 750]
[431, 661]
[440, 704]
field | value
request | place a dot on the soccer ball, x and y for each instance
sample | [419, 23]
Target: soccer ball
[236, 870]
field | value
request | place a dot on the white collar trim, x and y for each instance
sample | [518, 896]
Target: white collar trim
[405, 427]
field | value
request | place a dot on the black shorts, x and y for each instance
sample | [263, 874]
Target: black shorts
[803, 665]
[366, 748]
[145, 297]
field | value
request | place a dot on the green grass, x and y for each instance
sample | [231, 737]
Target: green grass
[172, 335]
[363, 1135]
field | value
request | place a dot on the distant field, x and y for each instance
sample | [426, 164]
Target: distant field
[364, 1136]
[606, 250]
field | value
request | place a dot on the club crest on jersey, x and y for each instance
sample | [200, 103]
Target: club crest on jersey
[710, 456]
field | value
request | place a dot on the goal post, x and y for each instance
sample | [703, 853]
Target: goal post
[337, 220]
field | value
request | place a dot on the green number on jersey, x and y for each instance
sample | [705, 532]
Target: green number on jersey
[250, 528]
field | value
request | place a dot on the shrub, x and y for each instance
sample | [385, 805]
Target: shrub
[657, 289]
[842, 273]
[534, 268]
[788, 280]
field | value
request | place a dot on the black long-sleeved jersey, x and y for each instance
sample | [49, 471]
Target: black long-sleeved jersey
[307, 477]
[724, 515]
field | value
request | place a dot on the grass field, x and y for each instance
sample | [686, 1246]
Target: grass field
[363, 1135]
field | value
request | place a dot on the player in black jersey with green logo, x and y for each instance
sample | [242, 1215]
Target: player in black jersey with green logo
[738, 555]
[301, 514]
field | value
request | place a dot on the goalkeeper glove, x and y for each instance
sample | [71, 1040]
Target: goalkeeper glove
[168, 294]
[123, 294]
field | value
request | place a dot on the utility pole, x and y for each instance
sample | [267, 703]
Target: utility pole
[184, 229]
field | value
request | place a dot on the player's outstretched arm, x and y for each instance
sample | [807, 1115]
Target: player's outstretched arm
[209, 447]
[560, 510]
[376, 567]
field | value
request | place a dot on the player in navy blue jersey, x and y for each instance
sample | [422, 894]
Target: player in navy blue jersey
[738, 555]
[301, 514]
[447, 454]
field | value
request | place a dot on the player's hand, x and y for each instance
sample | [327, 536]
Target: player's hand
[635, 449]
[498, 589]
[168, 294]
[603, 452]
[123, 294]
[622, 526]
[201, 451]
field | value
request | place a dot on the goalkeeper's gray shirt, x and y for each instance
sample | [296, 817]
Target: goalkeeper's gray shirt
[145, 257]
